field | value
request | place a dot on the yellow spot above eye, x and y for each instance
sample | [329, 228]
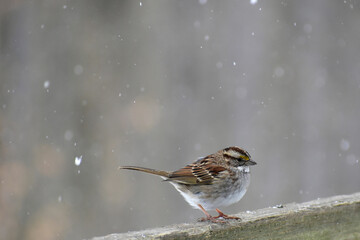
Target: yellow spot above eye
[246, 158]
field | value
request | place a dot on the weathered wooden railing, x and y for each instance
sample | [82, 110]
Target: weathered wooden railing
[335, 217]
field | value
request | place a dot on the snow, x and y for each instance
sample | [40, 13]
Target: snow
[46, 84]
[351, 159]
[344, 144]
[78, 160]
[279, 72]
[202, 2]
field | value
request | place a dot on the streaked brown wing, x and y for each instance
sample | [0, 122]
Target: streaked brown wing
[202, 171]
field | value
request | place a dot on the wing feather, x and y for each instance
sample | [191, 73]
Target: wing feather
[203, 171]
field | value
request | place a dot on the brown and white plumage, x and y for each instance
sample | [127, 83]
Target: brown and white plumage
[219, 179]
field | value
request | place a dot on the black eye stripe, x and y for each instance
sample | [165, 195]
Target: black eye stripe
[229, 156]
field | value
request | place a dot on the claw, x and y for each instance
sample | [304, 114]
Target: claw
[224, 216]
[211, 219]
[215, 219]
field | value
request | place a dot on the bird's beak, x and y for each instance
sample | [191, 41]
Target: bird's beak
[250, 162]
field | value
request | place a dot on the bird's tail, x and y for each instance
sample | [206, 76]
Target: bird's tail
[147, 170]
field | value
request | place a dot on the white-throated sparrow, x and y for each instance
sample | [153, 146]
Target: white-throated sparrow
[219, 179]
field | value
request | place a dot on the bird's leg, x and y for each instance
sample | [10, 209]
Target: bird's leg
[224, 216]
[204, 211]
[209, 217]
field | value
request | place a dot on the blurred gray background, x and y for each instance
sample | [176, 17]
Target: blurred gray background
[158, 84]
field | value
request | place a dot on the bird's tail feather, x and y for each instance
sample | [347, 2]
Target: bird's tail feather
[147, 170]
